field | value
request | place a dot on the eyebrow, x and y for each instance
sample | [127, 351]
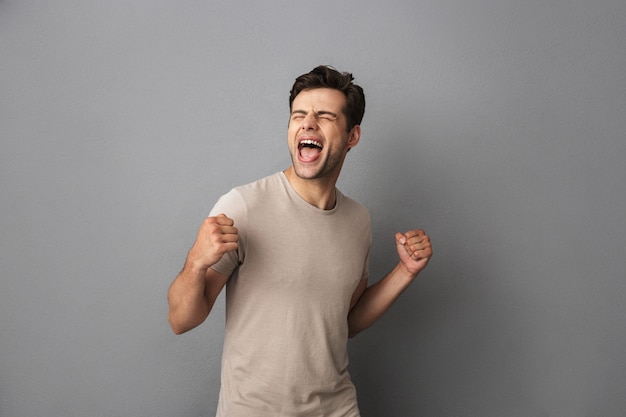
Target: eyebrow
[324, 112]
[319, 113]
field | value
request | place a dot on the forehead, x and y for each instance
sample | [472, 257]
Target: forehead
[320, 99]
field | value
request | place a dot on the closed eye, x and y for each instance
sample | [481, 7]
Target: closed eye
[327, 115]
[321, 115]
[298, 115]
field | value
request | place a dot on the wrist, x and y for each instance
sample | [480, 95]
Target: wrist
[404, 272]
[195, 267]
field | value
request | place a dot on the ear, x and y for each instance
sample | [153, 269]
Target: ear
[354, 136]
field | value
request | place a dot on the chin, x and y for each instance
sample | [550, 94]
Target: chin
[306, 174]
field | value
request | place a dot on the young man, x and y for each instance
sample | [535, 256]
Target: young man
[293, 252]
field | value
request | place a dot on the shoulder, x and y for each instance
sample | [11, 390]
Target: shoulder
[264, 184]
[242, 197]
[355, 215]
[353, 207]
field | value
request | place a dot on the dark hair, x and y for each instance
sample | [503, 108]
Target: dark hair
[325, 76]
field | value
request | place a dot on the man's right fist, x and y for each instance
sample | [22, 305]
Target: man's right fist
[217, 235]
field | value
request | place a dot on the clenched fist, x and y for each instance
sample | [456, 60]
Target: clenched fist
[217, 236]
[414, 249]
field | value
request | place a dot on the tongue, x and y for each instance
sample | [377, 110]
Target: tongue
[308, 153]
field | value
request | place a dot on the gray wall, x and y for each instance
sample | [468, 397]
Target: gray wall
[498, 126]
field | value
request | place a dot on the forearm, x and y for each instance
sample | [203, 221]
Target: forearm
[188, 306]
[377, 299]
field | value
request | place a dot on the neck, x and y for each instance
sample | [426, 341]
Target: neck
[319, 192]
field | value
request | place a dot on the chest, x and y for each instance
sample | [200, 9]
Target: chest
[291, 254]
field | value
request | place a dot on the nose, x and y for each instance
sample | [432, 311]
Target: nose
[309, 122]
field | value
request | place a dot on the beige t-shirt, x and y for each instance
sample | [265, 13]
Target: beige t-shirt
[287, 302]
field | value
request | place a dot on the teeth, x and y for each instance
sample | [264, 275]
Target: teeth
[311, 142]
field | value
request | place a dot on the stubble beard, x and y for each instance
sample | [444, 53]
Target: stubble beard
[326, 170]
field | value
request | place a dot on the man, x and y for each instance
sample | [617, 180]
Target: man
[293, 252]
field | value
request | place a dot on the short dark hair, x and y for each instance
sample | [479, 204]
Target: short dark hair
[325, 76]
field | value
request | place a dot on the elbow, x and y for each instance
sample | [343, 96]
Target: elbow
[353, 331]
[177, 331]
[182, 323]
[354, 328]
[177, 327]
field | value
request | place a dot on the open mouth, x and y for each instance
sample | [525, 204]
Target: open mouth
[309, 149]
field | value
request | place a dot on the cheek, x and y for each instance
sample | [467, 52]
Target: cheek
[336, 137]
[291, 131]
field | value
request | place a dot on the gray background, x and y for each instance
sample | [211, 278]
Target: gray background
[498, 126]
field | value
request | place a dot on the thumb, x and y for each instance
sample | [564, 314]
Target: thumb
[403, 251]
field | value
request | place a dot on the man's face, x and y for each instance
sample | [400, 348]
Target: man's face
[317, 136]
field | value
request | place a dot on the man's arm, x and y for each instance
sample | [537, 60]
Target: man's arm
[194, 291]
[370, 303]
[191, 297]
